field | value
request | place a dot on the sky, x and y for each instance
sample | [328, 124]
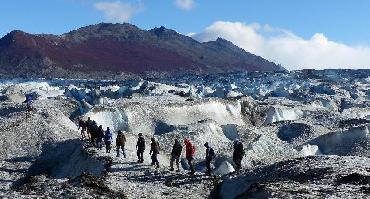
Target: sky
[294, 33]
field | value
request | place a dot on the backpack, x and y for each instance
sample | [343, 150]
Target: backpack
[89, 124]
[176, 150]
[242, 149]
[121, 139]
[29, 99]
[211, 153]
[157, 147]
[239, 149]
[141, 142]
[108, 136]
[81, 123]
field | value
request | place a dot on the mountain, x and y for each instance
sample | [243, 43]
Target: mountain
[106, 49]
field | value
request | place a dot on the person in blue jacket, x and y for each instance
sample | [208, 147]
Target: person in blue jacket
[108, 138]
[28, 102]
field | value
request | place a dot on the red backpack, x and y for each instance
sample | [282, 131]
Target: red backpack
[192, 150]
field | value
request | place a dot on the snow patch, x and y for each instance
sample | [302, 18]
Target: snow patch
[112, 118]
[348, 142]
[224, 168]
[39, 90]
[277, 114]
[310, 150]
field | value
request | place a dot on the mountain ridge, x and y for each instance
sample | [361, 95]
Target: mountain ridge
[121, 48]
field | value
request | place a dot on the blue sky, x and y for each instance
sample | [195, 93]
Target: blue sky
[345, 22]
[341, 20]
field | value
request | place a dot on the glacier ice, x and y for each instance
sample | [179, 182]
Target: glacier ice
[285, 121]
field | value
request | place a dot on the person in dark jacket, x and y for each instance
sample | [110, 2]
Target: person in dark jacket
[89, 126]
[82, 125]
[140, 147]
[210, 156]
[238, 154]
[99, 137]
[94, 133]
[120, 143]
[108, 138]
[154, 151]
[83, 136]
[175, 155]
[189, 154]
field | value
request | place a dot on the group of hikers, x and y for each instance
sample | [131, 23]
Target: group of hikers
[96, 135]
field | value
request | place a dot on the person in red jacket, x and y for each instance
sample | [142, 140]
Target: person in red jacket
[189, 154]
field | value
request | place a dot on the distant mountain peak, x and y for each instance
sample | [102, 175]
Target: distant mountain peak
[109, 27]
[162, 31]
[121, 48]
[222, 40]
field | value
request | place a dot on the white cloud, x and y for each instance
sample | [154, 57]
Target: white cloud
[288, 49]
[117, 12]
[185, 4]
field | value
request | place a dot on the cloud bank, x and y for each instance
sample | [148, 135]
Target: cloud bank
[185, 4]
[117, 12]
[286, 48]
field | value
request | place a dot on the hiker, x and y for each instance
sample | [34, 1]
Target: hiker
[29, 102]
[210, 156]
[83, 136]
[175, 155]
[140, 147]
[99, 137]
[82, 125]
[108, 138]
[89, 126]
[154, 151]
[238, 154]
[93, 133]
[189, 154]
[120, 143]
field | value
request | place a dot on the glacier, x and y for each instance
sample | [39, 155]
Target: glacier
[304, 133]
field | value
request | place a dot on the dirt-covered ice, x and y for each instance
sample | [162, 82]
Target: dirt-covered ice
[305, 133]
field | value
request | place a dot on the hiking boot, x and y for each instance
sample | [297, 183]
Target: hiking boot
[171, 169]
